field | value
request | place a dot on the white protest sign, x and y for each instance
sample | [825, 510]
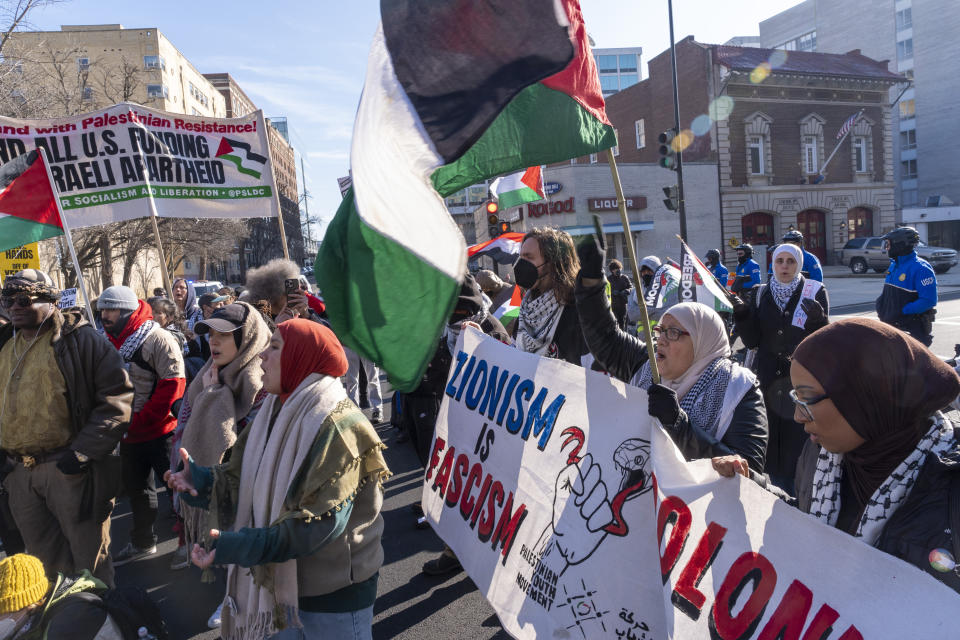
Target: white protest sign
[541, 479]
[123, 161]
[68, 298]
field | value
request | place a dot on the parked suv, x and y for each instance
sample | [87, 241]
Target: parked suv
[861, 254]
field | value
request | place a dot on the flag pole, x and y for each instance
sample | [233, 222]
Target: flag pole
[823, 170]
[163, 258]
[66, 231]
[641, 302]
[276, 192]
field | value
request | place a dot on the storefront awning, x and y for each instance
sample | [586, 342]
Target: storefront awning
[609, 228]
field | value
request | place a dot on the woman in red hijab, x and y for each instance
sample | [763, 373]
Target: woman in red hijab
[301, 495]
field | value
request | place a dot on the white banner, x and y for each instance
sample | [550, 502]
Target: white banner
[124, 161]
[551, 503]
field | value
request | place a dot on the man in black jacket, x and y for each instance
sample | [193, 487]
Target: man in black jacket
[620, 288]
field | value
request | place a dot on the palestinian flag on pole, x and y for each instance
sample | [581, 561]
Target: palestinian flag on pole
[239, 153]
[518, 188]
[28, 211]
[455, 93]
[504, 249]
[697, 284]
[511, 308]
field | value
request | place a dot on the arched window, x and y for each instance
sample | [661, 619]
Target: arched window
[757, 228]
[811, 144]
[759, 156]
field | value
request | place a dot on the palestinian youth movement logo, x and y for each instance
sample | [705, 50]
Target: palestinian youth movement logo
[239, 153]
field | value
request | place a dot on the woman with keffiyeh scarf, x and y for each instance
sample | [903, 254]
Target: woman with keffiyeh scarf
[785, 311]
[302, 495]
[882, 461]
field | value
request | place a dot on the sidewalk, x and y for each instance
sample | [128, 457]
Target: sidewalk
[847, 289]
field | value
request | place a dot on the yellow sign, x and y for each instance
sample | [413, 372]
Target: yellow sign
[14, 260]
[733, 242]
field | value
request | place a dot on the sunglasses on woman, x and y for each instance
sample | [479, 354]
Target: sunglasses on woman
[671, 334]
[804, 405]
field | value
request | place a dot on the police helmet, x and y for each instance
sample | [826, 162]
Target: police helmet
[793, 237]
[747, 249]
[901, 241]
[713, 255]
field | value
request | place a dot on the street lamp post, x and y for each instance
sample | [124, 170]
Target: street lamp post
[682, 210]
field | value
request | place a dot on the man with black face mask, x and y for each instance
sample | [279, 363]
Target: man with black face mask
[909, 297]
[548, 324]
[620, 288]
[155, 362]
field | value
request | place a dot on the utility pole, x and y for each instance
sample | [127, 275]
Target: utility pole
[306, 205]
[676, 120]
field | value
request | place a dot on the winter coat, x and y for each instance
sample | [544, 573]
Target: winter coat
[771, 332]
[622, 355]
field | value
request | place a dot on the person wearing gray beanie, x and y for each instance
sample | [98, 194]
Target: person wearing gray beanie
[118, 297]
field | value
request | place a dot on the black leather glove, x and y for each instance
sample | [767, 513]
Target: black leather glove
[592, 253]
[663, 404]
[70, 465]
[814, 311]
[740, 308]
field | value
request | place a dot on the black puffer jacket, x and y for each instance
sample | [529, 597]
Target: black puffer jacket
[771, 332]
[924, 522]
[622, 355]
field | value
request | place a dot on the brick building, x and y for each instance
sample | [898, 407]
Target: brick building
[768, 120]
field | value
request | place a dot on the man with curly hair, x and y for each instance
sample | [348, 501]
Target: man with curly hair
[65, 400]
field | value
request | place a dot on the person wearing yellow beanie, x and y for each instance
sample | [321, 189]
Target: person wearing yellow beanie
[23, 582]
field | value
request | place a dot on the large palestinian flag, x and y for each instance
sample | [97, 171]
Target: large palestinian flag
[455, 93]
[28, 211]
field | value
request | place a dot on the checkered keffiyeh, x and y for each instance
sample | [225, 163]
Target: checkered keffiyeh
[890, 494]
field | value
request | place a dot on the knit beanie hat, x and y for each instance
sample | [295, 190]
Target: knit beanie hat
[118, 297]
[23, 582]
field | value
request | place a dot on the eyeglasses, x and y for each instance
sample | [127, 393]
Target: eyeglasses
[804, 405]
[21, 299]
[670, 334]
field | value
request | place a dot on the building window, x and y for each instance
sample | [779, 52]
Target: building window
[908, 109]
[860, 154]
[83, 64]
[905, 49]
[607, 64]
[628, 80]
[88, 94]
[154, 62]
[908, 139]
[628, 62]
[910, 197]
[904, 19]
[908, 169]
[609, 84]
[810, 157]
[593, 158]
[616, 147]
[755, 148]
[157, 91]
[639, 129]
[807, 42]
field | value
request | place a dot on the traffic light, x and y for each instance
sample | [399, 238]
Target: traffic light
[668, 151]
[493, 220]
[672, 201]
[503, 227]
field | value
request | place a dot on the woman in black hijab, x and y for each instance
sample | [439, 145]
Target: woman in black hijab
[883, 461]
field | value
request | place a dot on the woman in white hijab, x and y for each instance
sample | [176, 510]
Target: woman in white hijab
[785, 311]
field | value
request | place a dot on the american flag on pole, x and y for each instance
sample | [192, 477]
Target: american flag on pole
[848, 125]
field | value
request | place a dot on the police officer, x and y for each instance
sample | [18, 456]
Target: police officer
[748, 272]
[811, 264]
[716, 267]
[909, 296]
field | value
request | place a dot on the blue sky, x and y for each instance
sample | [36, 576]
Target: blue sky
[306, 60]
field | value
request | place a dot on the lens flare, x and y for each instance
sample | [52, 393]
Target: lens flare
[701, 124]
[683, 140]
[720, 108]
[760, 74]
[778, 58]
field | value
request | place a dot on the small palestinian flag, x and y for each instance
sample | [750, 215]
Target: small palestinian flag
[455, 93]
[697, 284]
[504, 249]
[510, 309]
[518, 188]
[28, 210]
[239, 153]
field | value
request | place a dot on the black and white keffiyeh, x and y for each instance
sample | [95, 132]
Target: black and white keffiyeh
[538, 322]
[783, 292]
[704, 401]
[451, 332]
[135, 339]
[890, 494]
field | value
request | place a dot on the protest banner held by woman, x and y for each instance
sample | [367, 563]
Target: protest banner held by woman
[547, 269]
[304, 482]
[784, 312]
[708, 403]
[881, 462]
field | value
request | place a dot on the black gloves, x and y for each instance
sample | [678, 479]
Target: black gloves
[663, 404]
[70, 465]
[740, 308]
[592, 253]
[814, 311]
